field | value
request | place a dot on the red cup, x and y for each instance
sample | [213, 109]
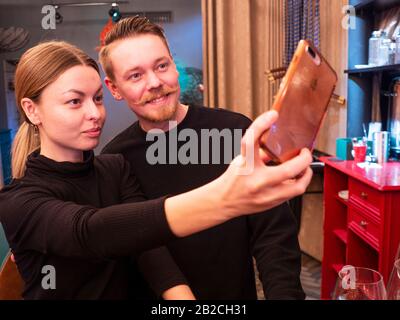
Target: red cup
[360, 151]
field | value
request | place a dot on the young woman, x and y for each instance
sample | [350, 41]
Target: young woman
[83, 216]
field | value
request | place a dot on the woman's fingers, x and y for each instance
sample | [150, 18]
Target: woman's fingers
[291, 169]
[250, 140]
[265, 158]
[291, 188]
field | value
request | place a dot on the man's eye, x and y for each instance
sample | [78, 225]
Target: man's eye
[135, 76]
[163, 66]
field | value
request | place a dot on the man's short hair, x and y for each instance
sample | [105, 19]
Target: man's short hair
[126, 28]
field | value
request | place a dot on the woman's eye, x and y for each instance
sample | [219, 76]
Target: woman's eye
[98, 99]
[74, 101]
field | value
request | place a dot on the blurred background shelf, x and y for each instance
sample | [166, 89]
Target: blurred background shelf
[372, 70]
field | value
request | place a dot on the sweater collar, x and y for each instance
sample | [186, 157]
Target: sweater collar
[39, 164]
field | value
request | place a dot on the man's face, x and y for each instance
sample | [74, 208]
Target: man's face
[145, 77]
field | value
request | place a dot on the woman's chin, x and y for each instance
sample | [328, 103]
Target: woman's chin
[89, 146]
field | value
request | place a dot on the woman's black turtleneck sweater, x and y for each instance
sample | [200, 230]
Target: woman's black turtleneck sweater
[84, 219]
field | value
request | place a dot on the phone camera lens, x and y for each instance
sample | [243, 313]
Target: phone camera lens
[311, 52]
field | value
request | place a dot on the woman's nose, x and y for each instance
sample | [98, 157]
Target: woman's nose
[93, 111]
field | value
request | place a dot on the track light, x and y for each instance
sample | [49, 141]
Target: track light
[59, 17]
[114, 12]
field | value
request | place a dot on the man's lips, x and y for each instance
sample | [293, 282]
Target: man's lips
[157, 99]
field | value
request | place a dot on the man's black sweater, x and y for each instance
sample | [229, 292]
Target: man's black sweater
[217, 262]
[83, 219]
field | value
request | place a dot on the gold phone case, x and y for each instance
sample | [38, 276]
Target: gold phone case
[302, 102]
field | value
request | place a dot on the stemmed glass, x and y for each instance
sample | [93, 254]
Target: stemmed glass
[355, 283]
[394, 282]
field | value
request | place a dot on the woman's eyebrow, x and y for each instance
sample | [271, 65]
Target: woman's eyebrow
[81, 93]
[74, 91]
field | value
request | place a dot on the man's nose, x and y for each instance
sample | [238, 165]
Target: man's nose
[153, 81]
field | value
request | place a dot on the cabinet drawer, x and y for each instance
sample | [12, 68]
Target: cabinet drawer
[364, 227]
[365, 196]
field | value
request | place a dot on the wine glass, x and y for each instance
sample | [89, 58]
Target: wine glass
[394, 282]
[356, 283]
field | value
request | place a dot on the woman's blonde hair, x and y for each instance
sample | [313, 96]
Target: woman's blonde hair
[38, 68]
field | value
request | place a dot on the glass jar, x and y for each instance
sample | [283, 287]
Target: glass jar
[384, 52]
[397, 54]
[374, 47]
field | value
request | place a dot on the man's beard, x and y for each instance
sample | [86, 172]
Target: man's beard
[162, 114]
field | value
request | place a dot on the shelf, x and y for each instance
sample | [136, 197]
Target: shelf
[344, 202]
[341, 235]
[337, 267]
[375, 5]
[388, 68]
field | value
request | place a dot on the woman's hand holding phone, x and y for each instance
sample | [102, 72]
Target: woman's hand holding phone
[248, 186]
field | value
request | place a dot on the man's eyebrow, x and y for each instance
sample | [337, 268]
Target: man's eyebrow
[129, 71]
[138, 67]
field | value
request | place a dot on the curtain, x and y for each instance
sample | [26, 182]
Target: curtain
[241, 40]
[302, 22]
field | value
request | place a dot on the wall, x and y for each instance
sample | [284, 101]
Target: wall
[334, 48]
[82, 26]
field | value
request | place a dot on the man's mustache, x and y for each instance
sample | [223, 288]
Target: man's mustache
[157, 94]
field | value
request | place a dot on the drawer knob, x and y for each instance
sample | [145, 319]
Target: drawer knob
[364, 195]
[363, 223]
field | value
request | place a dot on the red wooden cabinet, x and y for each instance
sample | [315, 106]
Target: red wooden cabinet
[364, 230]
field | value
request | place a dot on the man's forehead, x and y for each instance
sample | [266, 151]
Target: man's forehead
[134, 52]
[139, 46]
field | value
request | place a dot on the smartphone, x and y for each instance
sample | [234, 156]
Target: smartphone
[302, 102]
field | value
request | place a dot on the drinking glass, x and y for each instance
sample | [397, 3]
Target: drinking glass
[359, 150]
[394, 282]
[356, 283]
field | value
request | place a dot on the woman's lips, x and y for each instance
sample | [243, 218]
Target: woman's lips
[93, 133]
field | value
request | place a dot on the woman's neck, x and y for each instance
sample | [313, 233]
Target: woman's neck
[61, 154]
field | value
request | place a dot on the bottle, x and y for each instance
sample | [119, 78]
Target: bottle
[374, 47]
[384, 51]
[397, 55]
[392, 53]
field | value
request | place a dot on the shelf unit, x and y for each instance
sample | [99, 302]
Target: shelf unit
[364, 230]
[360, 82]
[369, 71]
[369, 6]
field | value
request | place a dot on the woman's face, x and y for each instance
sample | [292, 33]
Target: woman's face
[71, 114]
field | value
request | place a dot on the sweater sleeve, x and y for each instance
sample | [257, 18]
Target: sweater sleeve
[157, 266]
[35, 220]
[276, 249]
[160, 270]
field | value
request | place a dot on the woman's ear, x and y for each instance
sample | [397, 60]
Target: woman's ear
[113, 88]
[31, 110]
